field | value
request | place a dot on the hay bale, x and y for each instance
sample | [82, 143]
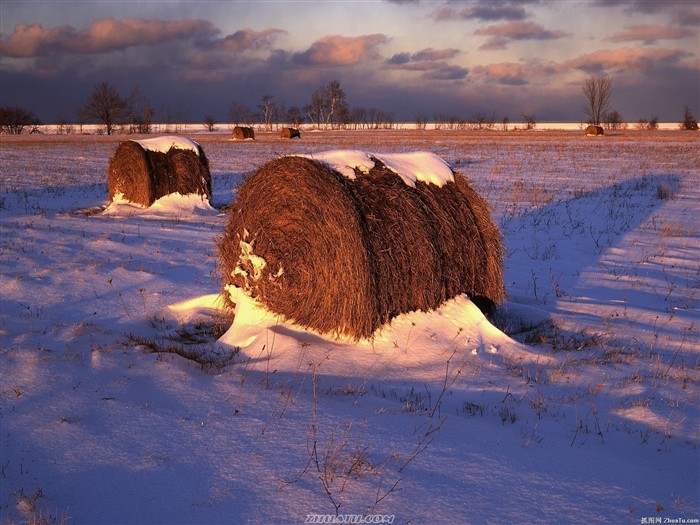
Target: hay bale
[243, 133]
[345, 256]
[594, 130]
[142, 172]
[401, 234]
[297, 216]
[290, 133]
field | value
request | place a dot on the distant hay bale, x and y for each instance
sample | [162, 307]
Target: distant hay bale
[243, 133]
[141, 175]
[594, 130]
[345, 256]
[290, 133]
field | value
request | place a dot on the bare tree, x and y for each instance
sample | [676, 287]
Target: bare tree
[689, 121]
[612, 120]
[529, 120]
[316, 109]
[239, 113]
[597, 91]
[267, 108]
[336, 104]
[209, 123]
[295, 116]
[359, 117]
[106, 106]
[14, 119]
[140, 112]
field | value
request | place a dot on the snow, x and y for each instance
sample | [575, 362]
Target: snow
[172, 204]
[415, 166]
[127, 394]
[164, 143]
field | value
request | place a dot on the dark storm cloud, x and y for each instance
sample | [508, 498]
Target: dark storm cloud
[680, 12]
[501, 34]
[432, 62]
[487, 13]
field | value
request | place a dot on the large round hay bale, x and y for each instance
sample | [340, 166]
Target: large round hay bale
[142, 172]
[345, 255]
[294, 241]
[594, 130]
[290, 133]
[402, 235]
[243, 133]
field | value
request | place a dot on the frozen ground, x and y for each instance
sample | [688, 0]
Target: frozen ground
[121, 401]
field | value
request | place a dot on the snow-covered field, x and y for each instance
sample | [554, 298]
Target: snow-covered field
[121, 402]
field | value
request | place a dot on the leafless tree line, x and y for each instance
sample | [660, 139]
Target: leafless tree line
[327, 108]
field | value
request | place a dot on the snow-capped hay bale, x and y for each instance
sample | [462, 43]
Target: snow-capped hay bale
[346, 252]
[142, 172]
[401, 235]
[191, 172]
[290, 133]
[294, 242]
[594, 130]
[243, 133]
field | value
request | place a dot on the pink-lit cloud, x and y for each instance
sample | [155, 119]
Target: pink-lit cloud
[336, 50]
[649, 34]
[636, 59]
[104, 35]
[514, 73]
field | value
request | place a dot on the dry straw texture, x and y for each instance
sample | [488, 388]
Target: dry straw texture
[290, 133]
[243, 132]
[143, 176]
[345, 256]
[595, 130]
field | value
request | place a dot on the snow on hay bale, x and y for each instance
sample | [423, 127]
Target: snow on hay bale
[243, 133]
[594, 130]
[343, 242]
[143, 171]
[290, 133]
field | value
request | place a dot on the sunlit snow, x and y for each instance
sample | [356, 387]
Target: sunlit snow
[411, 167]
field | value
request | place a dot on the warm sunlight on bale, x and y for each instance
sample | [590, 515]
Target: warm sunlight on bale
[141, 175]
[295, 242]
[345, 256]
[594, 130]
[290, 133]
[243, 133]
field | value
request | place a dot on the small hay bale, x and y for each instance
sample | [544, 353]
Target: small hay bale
[290, 133]
[243, 133]
[141, 172]
[594, 130]
[345, 256]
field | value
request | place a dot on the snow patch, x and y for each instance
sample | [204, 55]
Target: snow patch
[411, 167]
[166, 142]
[248, 257]
[173, 204]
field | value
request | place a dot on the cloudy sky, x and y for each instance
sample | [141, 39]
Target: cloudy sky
[409, 57]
